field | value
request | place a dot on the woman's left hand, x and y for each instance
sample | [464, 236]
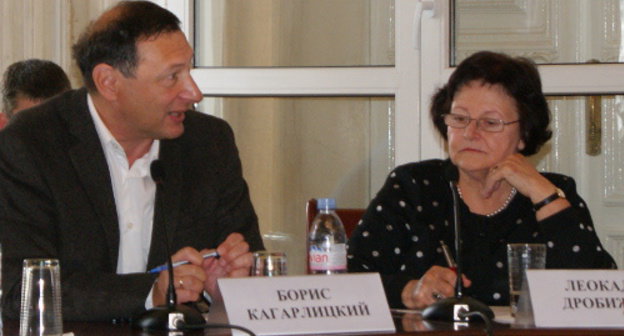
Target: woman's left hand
[521, 174]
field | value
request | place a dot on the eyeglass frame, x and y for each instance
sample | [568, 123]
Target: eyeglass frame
[500, 122]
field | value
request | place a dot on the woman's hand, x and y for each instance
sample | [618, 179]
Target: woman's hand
[521, 174]
[437, 283]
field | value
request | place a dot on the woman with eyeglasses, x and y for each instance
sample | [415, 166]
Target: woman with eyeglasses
[493, 115]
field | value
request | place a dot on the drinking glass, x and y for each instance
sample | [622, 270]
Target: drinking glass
[41, 298]
[268, 264]
[521, 257]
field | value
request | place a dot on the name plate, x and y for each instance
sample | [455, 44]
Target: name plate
[307, 304]
[577, 298]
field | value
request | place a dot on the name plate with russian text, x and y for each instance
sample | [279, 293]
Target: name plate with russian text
[307, 304]
[577, 298]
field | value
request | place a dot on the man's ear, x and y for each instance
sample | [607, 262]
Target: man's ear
[105, 78]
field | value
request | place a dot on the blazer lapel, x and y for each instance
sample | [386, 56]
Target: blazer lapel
[88, 159]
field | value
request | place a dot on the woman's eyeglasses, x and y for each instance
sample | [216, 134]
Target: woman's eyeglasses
[484, 124]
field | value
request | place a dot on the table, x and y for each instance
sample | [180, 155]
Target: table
[407, 324]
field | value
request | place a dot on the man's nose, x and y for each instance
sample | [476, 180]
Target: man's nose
[191, 91]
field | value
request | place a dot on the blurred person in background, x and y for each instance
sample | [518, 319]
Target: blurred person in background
[28, 83]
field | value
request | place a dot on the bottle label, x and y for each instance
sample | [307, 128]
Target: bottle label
[333, 258]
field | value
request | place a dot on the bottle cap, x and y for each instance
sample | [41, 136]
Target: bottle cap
[326, 204]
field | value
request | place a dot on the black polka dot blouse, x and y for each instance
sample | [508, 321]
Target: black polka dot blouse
[399, 235]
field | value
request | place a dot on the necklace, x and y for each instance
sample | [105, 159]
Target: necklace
[511, 195]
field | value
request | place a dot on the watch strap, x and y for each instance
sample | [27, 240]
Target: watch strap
[546, 200]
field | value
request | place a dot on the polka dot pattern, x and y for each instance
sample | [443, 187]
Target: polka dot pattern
[403, 228]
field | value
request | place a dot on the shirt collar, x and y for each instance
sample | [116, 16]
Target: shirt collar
[109, 143]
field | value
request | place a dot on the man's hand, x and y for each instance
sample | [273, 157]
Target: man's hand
[234, 261]
[188, 279]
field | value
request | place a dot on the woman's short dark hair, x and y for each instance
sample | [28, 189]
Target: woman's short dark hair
[112, 39]
[520, 80]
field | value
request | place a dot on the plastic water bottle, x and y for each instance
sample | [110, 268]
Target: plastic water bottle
[327, 240]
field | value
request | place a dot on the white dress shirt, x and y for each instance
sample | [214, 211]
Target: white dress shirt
[134, 193]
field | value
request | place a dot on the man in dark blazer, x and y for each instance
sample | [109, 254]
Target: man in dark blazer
[59, 162]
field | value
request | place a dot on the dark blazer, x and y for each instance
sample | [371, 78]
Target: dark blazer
[56, 201]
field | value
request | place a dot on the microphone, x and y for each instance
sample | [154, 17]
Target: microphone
[458, 308]
[170, 316]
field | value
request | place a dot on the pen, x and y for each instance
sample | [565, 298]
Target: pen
[448, 256]
[211, 254]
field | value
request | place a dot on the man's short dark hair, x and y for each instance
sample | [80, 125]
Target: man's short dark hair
[113, 37]
[520, 80]
[34, 79]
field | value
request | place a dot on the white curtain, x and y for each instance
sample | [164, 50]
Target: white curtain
[45, 29]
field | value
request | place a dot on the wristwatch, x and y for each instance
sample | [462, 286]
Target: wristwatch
[557, 194]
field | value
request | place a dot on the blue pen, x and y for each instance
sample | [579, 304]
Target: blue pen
[211, 254]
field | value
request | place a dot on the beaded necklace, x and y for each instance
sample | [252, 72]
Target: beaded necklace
[511, 195]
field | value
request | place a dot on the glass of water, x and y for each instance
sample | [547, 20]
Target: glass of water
[521, 257]
[268, 264]
[41, 298]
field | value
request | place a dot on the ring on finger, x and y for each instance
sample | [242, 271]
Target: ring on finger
[437, 296]
[181, 283]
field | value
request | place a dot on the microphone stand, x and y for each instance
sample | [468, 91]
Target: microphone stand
[459, 307]
[170, 316]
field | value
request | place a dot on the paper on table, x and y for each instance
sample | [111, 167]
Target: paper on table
[502, 314]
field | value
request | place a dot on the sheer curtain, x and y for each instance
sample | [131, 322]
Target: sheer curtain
[45, 29]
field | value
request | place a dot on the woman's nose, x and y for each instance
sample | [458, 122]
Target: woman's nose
[471, 129]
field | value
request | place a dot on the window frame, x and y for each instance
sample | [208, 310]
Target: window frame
[400, 81]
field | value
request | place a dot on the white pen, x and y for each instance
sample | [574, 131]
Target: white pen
[211, 254]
